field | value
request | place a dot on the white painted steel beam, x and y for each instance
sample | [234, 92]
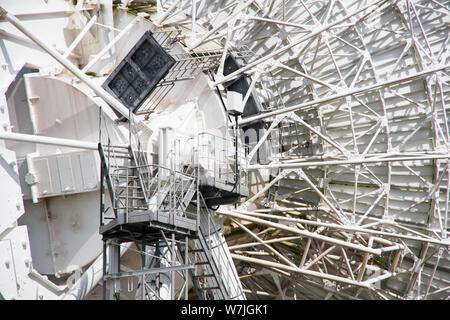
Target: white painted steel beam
[294, 44]
[321, 101]
[105, 49]
[80, 36]
[348, 162]
[302, 232]
[350, 228]
[49, 140]
[116, 104]
[321, 275]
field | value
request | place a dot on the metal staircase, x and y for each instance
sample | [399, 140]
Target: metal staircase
[213, 276]
[138, 189]
[122, 179]
[205, 276]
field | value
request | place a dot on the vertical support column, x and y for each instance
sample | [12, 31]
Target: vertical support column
[143, 283]
[107, 18]
[186, 259]
[102, 195]
[105, 247]
[236, 157]
[172, 273]
[114, 269]
[194, 17]
[158, 265]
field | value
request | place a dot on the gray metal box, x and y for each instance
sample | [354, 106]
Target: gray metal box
[139, 72]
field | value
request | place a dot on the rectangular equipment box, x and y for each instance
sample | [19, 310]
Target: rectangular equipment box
[139, 72]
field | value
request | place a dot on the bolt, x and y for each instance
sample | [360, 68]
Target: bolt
[30, 178]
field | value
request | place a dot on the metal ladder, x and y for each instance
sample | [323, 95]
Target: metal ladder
[122, 178]
[127, 173]
[135, 186]
[205, 275]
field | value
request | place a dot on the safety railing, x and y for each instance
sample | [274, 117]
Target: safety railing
[139, 154]
[220, 254]
[114, 156]
[127, 190]
[137, 185]
[167, 191]
[217, 158]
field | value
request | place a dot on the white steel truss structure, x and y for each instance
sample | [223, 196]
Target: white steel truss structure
[353, 201]
[356, 96]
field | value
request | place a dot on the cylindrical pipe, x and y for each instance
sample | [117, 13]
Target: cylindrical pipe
[348, 162]
[280, 176]
[349, 228]
[205, 36]
[110, 45]
[267, 263]
[80, 36]
[286, 260]
[22, 137]
[285, 48]
[340, 95]
[167, 13]
[116, 104]
[300, 232]
[90, 278]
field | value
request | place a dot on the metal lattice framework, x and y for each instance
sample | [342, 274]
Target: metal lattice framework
[355, 96]
[354, 201]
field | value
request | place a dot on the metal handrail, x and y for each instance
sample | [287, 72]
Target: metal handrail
[222, 166]
[216, 246]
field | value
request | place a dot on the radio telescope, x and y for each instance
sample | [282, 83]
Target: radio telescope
[197, 149]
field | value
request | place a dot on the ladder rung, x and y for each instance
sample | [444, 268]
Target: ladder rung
[133, 208]
[129, 187]
[111, 146]
[209, 275]
[121, 156]
[114, 151]
[210, 288]
[130, 197]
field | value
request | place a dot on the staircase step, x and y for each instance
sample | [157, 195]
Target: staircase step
[123, 176]
[133, 208]
[111, 146]
[130, 197]
[119, 167]
[211, 288]
[209, 275]
[115, 152]
[129, 187]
